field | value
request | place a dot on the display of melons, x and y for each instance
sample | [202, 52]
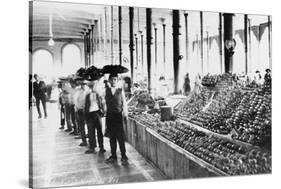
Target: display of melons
[194, 104]
[252, 118]
[222, 106]
[229, 157]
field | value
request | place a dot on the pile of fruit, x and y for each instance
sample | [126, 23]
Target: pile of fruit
[252, 119]
[141, 101]
[193, 104]
[150, 120]
[224, 81]
[222, 106]
[225, 155]
[209, 80]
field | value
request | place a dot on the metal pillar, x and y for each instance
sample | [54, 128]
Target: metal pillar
[207, 44]
[85, 50]
[137, 55]
[228, 35]
[148, 44]
[164, 47]
[186, 37]
[120, 33]
[105, 34]
[131, 40]
[176, 49]
[141, 50]
[269, 41]
[93, 44]
[111, 36]
[220, 41]
[96, 36]
[201, 41]
[250, 47]
[246, 42]
[155, 46]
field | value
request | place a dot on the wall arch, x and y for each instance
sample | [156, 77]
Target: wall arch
[70, 43]
[43, 64]
[71, 58]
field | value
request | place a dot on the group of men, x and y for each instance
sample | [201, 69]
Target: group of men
[83, 107]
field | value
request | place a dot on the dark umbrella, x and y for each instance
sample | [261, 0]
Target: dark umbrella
[93, 73]
[114, 69]
[81, 72]
[63, 78]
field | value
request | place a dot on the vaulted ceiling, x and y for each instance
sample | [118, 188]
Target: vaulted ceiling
[72, 20]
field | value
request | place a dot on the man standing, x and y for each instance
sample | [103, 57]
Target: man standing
[94, 108]
[61, 104]
[72, 92]
[79, 109]
[116, 108]
[39, 90]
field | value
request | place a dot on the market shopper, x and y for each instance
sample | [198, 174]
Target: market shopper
[258, 78]
[94, 109]
[267, 76]
[39, 92]
[186, 85]
[116, 108]
[197, 84]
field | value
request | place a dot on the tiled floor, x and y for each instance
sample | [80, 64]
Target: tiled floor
[58, 160]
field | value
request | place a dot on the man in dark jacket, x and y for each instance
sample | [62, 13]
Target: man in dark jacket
[39, 90]
[116, 109]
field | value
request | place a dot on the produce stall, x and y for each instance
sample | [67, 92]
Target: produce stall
[222, 130]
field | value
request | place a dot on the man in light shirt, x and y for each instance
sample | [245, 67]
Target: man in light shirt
[116, 110]
[79, 99]
[94, 108]
[72, 91]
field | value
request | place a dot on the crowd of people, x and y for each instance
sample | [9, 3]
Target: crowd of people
[82, 105]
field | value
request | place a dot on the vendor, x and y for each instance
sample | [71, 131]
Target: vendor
[258, 78]
[116, 108]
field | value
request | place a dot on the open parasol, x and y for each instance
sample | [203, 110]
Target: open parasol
[93, 73]
[114, 69]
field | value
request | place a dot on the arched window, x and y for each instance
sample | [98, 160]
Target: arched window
[71, 59]
[42, 64]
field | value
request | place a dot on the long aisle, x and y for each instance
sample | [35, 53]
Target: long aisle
[58, 160]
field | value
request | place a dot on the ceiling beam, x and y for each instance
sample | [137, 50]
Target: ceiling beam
[58, 33]
[57, 28]
[47, 37]
[58, 19]
[62, 14]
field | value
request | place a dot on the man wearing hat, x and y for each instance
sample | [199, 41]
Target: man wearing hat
[116, 109]
[79, 109]
[267, 76]
[39, 90]
[94, 108]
